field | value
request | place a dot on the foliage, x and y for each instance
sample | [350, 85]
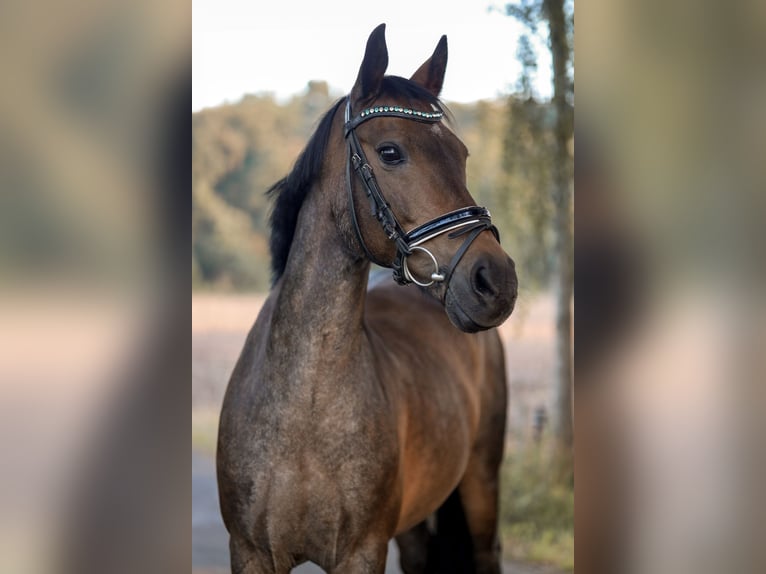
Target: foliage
[238, 151]
[552, 202]
[537, 508]
[526, 161]
[480, 125]
[530, 146]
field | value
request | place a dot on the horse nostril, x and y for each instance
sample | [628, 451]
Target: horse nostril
[482, 283]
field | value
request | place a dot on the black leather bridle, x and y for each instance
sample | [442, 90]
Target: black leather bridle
[468, 222]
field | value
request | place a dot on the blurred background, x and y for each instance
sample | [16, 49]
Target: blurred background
[669, 277]
[93, 161]
[94, 323]
[262, 81]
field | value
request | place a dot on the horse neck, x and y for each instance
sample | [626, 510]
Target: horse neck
[320, 305]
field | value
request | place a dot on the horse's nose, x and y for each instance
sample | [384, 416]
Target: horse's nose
[493, 281]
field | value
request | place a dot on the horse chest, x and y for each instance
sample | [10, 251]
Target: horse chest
[319, 441]
[320, 480]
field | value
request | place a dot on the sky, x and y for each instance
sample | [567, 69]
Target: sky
[241, 46]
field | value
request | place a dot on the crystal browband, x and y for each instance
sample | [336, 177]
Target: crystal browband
[391, 111]
[406, 111]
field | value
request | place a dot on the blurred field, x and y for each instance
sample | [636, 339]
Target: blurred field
[219, 326]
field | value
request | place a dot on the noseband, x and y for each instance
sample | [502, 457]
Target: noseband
[468, 222]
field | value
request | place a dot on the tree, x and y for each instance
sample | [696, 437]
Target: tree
[558, 15]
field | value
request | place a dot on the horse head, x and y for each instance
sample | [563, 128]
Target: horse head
[409, 167]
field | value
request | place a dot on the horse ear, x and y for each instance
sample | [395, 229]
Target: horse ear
[373, 67]
[431, 74]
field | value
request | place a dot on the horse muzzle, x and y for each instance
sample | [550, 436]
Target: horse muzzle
[484, 296]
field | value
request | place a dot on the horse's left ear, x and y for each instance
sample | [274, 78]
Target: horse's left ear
[431, 74]
[373, 67]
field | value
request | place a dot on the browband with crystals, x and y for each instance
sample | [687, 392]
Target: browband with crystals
[392, 111]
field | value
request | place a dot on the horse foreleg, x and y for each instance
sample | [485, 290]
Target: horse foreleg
[247, 560]
[479, 488]
[479, 495]
[413, 549]
[367, 559]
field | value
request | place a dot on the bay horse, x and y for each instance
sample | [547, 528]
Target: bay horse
[355, 415]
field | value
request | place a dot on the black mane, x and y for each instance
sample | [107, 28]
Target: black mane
[291, 191]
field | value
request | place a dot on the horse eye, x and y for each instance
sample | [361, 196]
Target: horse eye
[390, 154]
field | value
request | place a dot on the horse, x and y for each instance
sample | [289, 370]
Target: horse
[355, 415]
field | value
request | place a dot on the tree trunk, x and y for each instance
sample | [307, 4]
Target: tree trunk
[562, 198]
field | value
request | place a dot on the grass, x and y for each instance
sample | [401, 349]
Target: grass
[537, 507]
